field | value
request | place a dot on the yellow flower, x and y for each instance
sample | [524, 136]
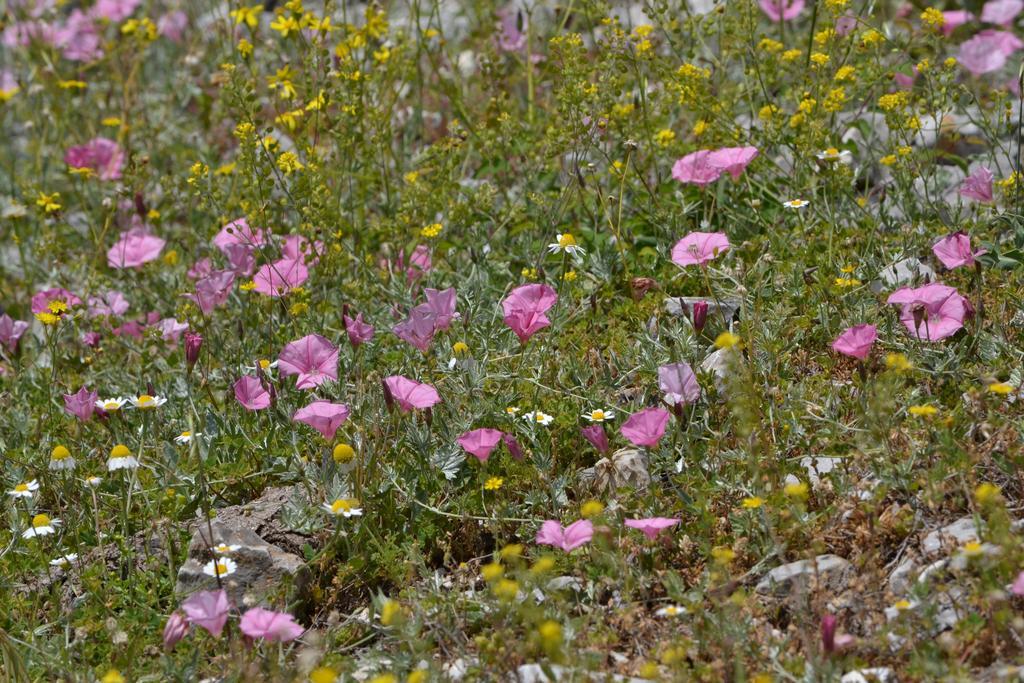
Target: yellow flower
[820, 59]
[285, 25]
[752, 503]
[844, 282]
[933, 18]
[569, 276]
[591, 508]
[791, 55]
[384, 678]
[112, 676]
[323, 674]
[845, 73]
[59, 453]
[382, 55]
[289, 162]
[247, 286]
[244, 48]
[494, 483]
[894, 101]
[47, 318]
[888, 160]
[871, 37]
[511, 551]
[723, 554]
[506, 590]
[796, 489]
[700, 128]
[543, 565]
[49, 203]
[343, 453]
[769, 45]
[529, 273]
[727, 340]
[550, 633]
[898, 362]
[664, 137]
[972, 549]
[248, 15]
[460, 348]
[432, 230]
[1001, 388]
[390, 611]
[986, 493]
[922, 410]
[71, 85]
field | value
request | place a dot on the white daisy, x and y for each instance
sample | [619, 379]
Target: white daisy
[538, 417]
[60, 459]
[93, 481]
[599, 415]
[671, 611]
[24, 490]
[41, 526]
[147, 402]
[222, 567]
[567, 243]
[111, 404]
[795, 203]
[511, 410]
[345, 507]
[225, 548]
[186, 437]
[263, 364]
[63, 560]
[833, 154]
[121, 459]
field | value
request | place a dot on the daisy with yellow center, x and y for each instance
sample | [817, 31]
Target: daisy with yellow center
[111, 405]
[186, 437]
[24, 490]
[537, 417]
[60, 459]
[671, 611]
[599, 415]
[121, 458]
[795, 203]
[223, 567]
[511, 410]
[63, 560]
[93, 481]
[972, 549]
[344, 507]
[147, 402]
[833, 154]
[41, 526]
[564, 242]
[225, 548]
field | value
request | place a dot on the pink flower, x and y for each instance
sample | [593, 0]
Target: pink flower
[11, 331]
[679, 383]
[175, 629]
[41, 300]
[596, 435]
[90, 338]
[323, 416]
[278, 278]
[279, 627]
[982, 54]
[136, 247]
[779, 10]
[241, 258]
[525, 309]
[856, 341]
[111, 302]
[78, 38]
[931, 312]
[251, 394]
[115, 10]
[646, 427]
[81, 403]
[357, 329]
[845, 24]
[1001, 12]
[193, 342]
[411, 394]
[1004, 41]
[238, 232]
[208, 610]
[954, 19]
[419, 263]
[480, 442]
[568, 539]
[442, 305]
[200, 269]
[514, 449]
[978, 185]
[696, 169]
[954, 250]
[699, 248]
[172, 25]
[171, 330]
[510, 37]
[102, 155]
[297, 247]
[652, 526]
[213, 290]
[732, 160]
[1018, 585]
[313, 358]
[418, 329]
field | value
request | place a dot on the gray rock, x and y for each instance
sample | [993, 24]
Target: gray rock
[824, 571]
[719, 364]
[625, 468]
[950, 537]
[909, 271]
[534, 673]
[879, 674]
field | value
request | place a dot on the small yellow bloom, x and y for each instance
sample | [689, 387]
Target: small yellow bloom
[591, 508]
[244, 48]
[343, 453]
[797, 489]
[972, 549]
[112, 676]
[723, 554]
[727, 340]
[664, 137]
[48, 318]
[505, 590]
[289, 162]
[71, 85]
[752, 503]
[1001, 388]
[986, 493]
[49, 203]
[460, 348]
[492, 572]
[390, 612]
[922, 410]
[933, 19]
[898, 362]
[494, 483]
[432, 230]
[323, 674]
[543, 565]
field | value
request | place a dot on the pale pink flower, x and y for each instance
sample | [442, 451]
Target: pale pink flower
[297, 247]
[136, 247]
[442, 305]
[241, 258]
[652, 526]
[250, 392]
[510, 37]
[278, 278]
[115, 10]
[238, 232]
[646, 427]
[954, 250]
[982, 54]
[111, 302]
[411, 394]
[42, 299]
[978, 185]
[568, 539]
[208, 610]
[679, 383]
[781, 10]
[933, 312]
[357, 329]
[213, 290]
[200, 269]
[274, 627]
[102, 155]
[696, 169]
[1001, 12]
[699, 248]
[171, 330]
[175, 629]
[1018, 585]
[419, 263]
[313, 358]
[525, 309]
[1005, 41]
[79, 38]
[323, 416]
[480, 442]
[856, 341]
[418, 329]
[596, 435]
[732, 160]
[954, 19]
[81, 403]
[172, 25]
[845, 24]
[11, 331]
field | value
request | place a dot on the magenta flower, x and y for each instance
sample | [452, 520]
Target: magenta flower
[480, 442]
[978, 185]
[241, 258]
[171, 330]
[11, 331]
[111, 302]
[238, 232]
[200, 269]
[313, 358]
[419, 263]
[213, 290]
[114, 10]
[568, 539]
[1001, 12]
[41, 300]
[193, 343]
[411, 394]
[931, 312]
[81, 403]
[510, 38]
[357, 329]
[525, 309]
[954, 250]
[208, 610]
[596, 435]
[442, 305]
[982, 54]
[732, 160]
[135, 247]
[1006, 42]
[249, 391]
[102, 155]
[652, 526]
[678, 383]
[856, 341]
[418, 329]
[298, 247]
[175, 629]
[954, 19]
[1018, 585]
[646, 427]
[780, 10]
[323, 416]
[699, 248]
[514, 449]
[278, 278]
[274, 627]
[696, 169]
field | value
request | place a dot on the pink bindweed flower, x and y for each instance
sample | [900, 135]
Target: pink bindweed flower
[514, 449]
[111, 302]
[357, 329]
[978, 185]
[90, 339]
[278, 278]
[982, 54]
[1001, 12]
[172, 25]
[510, 37]
[193, 343]
[845, 24]
[299, 248]
[954, 250]
[596, 435]
[213, 290]
[41, 300]
[646, 427]
[678, 383]
[525, 309]
[323, 416]
[11, 331]
[780, 10]
[652, 526]
[200, 269]
[208, 610]
[732, 160]
[250, 392]
[1018, 585]
[102, 155]
[699, 315]
[114, 10]
[442, 305]
[418, 329]
[171, 330]
[696, 169]
[1006, 42]
[856, 341]
[481, 442]
[313, 358]
[176, 628]
[568, 539]
[699, 248]
[933, 312]
[411, 394]
[135, 247]
[274, 627]
[238, 232]
[419, 263]
[954, 19]
[241, 258]
[81, 403]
